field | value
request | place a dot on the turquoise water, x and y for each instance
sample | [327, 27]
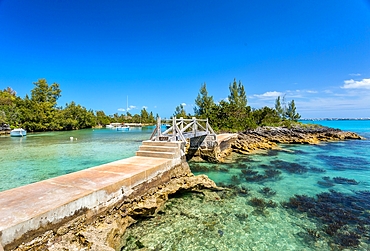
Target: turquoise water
[260, 210]
[40, 156]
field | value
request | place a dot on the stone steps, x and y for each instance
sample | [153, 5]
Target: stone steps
[159, 149]
[160, 143]
[164, 155]
[168, 149]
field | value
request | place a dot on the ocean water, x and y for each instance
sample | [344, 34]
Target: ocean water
[304, 197]
[40, 156]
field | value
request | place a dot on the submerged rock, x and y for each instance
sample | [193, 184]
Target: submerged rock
[103, 231]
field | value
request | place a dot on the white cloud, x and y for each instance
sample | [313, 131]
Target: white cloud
[273, 94]
[145, 107]
[183, 104]
[309, 91]
[128, 108]
[353, 84]
[355, 74]
[131, 107]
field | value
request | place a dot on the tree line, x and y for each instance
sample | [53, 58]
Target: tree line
[235, 115]
[39, 112]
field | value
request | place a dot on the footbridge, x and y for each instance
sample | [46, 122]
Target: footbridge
[188, 135]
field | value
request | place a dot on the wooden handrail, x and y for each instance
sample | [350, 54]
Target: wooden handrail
[179, 127]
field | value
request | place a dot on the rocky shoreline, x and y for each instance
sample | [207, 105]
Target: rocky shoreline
[104, 232]
[266, 138]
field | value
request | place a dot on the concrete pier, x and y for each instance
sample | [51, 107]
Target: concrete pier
[32, 209]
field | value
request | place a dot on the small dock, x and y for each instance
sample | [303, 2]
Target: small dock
[31, 210]
[42, 205]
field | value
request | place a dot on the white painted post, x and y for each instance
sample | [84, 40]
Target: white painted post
[182, 123]
[159, 131]
[194, 126]
[174, 129]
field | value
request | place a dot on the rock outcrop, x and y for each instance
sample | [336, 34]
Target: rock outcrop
[264, 138]
[103, 232]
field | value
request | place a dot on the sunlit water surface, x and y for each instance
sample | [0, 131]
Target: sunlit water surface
[259, 211]
[40, 156]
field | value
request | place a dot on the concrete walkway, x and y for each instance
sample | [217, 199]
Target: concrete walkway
[33, 206]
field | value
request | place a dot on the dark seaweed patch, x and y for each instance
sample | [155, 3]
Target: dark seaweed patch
[341, 163]
[345, 217]
[289, 167]
[325, 183]
[317, 170]
[341, 180]
[267, 191]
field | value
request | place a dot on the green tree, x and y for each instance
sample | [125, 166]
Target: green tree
[203, 102]
[77, 117]
[279, 107]
[42, 92]
[265, 116]
[180, 111]
[101, 118]
[9, 110]
[237, 95]
[151, 118]
[291, 112]
[144, 115]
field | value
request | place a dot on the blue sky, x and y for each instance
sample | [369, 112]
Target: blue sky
[158, 53]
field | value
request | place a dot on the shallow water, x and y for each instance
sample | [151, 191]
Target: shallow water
[257, 212]
[40, 156]
[260, 213]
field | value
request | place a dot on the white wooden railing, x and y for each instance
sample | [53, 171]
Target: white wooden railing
[181, 129]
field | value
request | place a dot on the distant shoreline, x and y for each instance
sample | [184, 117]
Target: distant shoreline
[333, 119]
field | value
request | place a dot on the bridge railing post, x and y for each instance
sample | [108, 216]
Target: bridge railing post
[173, 129]
[194, 126]
[181, 123]
[159, 131]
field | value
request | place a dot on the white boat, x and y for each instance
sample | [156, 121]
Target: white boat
[19, 132]
[109, 126]
[123, 128]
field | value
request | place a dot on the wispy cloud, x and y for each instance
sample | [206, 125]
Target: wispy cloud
[183, 104]
[131, 107]
[349, 100]
[353, 84]
[144, 107]
[355, 74]
[312, 92]
[268, 95]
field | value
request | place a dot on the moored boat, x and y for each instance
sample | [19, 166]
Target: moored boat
[123, 128]
[19, 132]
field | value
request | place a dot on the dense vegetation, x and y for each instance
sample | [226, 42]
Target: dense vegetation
[234, 114]
[41, 113]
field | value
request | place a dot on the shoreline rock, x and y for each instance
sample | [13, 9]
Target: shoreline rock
[104, 231]
[265, 138]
